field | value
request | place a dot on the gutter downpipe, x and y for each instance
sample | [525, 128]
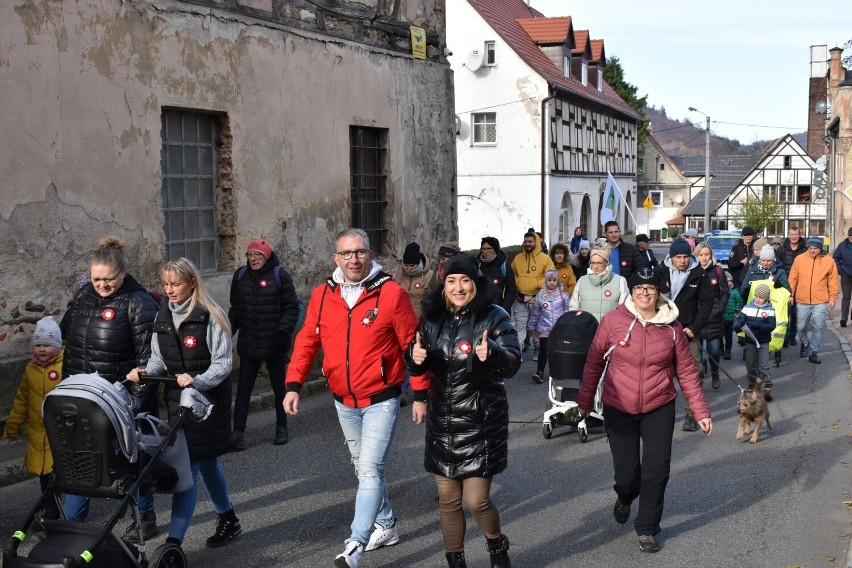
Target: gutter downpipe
[544, 129]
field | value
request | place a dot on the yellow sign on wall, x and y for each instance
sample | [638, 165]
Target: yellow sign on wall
[648, 203]
[418, 42]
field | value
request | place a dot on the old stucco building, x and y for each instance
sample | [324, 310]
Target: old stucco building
[193, 128]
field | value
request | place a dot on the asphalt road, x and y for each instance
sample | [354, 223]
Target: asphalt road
[783, 502]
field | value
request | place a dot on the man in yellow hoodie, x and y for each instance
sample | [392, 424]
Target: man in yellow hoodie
[529, 267]
[814, 282]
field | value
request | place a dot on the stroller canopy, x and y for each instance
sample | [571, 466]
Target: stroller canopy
[569, 342]
[112, 398]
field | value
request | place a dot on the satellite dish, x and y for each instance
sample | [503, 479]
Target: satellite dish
[458, 125]
[474, 60]
[679, 199]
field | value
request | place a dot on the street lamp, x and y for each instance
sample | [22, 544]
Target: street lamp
[706, 171]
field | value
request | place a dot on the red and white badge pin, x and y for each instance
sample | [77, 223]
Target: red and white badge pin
[465, 347]
[496, 281]
[623, 343]
[544, 305]
[418, 285]
[607, 293]
[764, 314]
[264, 283]
[190, 341]
[53, 375]
[108, 314]
[623, 263]
[713, 281]
[533, 268]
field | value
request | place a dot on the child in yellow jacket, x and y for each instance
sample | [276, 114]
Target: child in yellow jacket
[41, 376]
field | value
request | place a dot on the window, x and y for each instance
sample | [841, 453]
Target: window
[600, 78]
[662, 166]
[785, 194]
[189, 163]
[490, 53]
[566, 65]
[485, 128]
[788, 162]
[656, 197]
[803, 194]
[641, 163]
[584, 72]
[816, 228]
[368, 182]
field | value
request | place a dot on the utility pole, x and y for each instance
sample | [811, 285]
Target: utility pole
[706, 171]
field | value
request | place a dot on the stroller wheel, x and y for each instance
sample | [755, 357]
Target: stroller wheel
[168, 555]
[584, 435]
[547, 431]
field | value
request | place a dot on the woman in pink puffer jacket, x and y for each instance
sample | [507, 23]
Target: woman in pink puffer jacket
[646, 348]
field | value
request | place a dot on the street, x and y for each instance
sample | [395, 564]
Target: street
[782, 502]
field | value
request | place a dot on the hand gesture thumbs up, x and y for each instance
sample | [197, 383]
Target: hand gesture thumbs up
[418, 354]
[482, 348]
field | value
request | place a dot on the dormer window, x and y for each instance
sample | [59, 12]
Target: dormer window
[490, 53]
[584, 72]
[566, 65]
[600, 78]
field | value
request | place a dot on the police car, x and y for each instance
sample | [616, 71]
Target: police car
[722, 242]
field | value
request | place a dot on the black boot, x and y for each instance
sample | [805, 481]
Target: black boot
[498, 548]
[281, 435]
[227, 527]
[455, 560]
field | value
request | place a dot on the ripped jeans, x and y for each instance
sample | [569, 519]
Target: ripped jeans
[369, 432]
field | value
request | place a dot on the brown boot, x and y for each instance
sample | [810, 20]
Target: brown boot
[689, 423]
[714, 380]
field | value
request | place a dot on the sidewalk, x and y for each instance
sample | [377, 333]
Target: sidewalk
[12, 457]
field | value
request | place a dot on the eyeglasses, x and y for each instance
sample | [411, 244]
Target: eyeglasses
[646, 290]
[97, 281]
[360, 254]
[255, 255]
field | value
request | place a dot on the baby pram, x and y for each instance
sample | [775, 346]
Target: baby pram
[92, 433]
[567, 348]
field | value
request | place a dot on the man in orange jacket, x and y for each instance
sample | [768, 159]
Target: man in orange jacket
[363, 321]
[813, 281]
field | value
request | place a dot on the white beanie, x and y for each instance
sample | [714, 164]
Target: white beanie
[47, 332]
[584, 244]
[767, 252]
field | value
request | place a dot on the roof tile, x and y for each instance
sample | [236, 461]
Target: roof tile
[547, 30]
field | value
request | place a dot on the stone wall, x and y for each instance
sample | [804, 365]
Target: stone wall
[85, 84]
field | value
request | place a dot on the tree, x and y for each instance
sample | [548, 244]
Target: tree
[614, 76]
[847, 59]
[757, 212]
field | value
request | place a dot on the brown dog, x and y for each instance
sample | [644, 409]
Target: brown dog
[752, 408]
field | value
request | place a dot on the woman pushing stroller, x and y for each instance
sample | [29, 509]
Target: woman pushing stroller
[192, 341]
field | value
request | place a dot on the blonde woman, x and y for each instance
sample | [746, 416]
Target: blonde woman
[192, 342]
[601, 290]
[710, 334]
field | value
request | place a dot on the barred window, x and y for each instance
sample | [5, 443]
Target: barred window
[368, 183]
[485, 128]
[189, 164]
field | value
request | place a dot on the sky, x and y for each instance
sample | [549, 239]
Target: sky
[746, 64]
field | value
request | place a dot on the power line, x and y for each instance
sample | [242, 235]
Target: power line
[676, 127]
[496, 106]
[760, 125]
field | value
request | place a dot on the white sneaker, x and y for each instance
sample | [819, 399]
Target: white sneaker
[382, 536]
[351, 556]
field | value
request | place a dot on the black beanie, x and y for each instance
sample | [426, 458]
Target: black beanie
[645, 276]
[461, 264]
[680, 246]
[411, 254]
[492, 242]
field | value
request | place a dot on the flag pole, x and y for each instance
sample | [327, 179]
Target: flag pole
[623, 200]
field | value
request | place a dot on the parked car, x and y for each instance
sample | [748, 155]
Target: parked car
[722, 242]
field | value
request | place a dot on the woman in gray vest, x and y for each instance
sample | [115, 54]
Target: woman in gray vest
[601, 290]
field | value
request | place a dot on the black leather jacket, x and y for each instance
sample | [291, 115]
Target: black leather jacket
[467, 425]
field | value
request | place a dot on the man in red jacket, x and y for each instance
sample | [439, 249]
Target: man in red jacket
[363, 321]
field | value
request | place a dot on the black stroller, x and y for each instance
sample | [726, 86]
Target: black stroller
[92, 433]
[567, 348]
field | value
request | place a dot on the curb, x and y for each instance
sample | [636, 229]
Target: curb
[12, 470]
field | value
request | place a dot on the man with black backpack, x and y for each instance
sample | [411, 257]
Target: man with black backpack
[265, 310]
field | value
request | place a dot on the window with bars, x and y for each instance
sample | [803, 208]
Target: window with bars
[368, 183]
[189, 164]
[485, 128]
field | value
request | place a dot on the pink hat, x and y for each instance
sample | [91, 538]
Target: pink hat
[260, 246]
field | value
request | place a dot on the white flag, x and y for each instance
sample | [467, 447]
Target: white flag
[611, 195]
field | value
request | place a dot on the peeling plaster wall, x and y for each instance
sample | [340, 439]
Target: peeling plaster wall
[84, 86]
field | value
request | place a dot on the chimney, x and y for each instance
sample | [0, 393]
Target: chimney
[836, 73]
[817, 93]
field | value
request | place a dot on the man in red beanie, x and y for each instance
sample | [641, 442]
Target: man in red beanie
[265, 310]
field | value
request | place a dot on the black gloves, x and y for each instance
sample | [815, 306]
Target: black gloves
[281, 341]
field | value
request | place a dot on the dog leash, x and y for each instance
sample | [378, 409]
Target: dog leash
[719, 366]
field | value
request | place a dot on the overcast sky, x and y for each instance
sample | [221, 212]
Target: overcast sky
[744, 62]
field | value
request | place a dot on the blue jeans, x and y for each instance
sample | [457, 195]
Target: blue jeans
[811, 317]
[183, 503]
[369, 432]
[711, 346]
[76, 507]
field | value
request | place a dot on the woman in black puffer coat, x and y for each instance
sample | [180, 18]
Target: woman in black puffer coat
[463, 350]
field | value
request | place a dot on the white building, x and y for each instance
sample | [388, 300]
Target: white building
[538, 128]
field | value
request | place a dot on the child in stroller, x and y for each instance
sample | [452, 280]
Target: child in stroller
[92, 431]
[568, 346]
